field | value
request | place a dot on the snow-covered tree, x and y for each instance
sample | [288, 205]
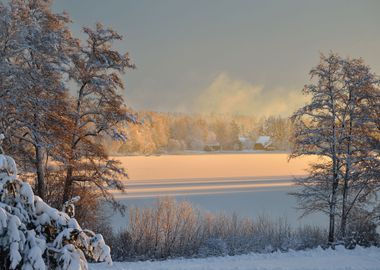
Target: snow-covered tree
[56, 134]
[339, 126]
[34, 45]
[34, 235]
[361, 142]
[316, 133]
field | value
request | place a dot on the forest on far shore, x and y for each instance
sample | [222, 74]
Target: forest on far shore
[160, 133]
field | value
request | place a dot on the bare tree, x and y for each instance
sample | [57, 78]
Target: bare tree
[339, 126]
[316, 133]
[360, 156]
[97, 109]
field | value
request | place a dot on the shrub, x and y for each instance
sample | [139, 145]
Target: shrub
[176, 229]
[34, 235]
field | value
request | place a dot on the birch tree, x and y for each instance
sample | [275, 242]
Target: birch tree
[316, 133]
[361, 140]
[340, 126]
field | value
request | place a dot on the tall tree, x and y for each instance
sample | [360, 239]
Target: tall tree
[316, 132]
[97, 109]
[361, 155]
[56, 131]
[35, 45]
[339, 125]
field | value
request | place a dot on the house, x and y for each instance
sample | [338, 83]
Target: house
[263, 143]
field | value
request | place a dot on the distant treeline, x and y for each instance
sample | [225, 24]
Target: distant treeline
[173, 132]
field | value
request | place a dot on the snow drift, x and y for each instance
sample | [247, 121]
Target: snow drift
[316, 259]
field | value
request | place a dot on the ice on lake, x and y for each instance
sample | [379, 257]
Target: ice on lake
[248, 185]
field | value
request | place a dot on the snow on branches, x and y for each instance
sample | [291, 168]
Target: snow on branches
[34, 235]
[340, 124]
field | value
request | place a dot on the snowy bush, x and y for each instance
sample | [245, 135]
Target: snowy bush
[362, 228]
[213, 247]
[34, 235]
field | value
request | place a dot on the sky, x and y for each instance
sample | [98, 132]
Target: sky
[218, 56]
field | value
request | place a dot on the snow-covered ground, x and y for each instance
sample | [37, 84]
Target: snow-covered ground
[317, 259]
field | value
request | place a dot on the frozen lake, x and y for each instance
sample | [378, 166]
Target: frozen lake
[248, 184]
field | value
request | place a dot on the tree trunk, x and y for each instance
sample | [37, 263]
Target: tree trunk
[335, 170]
[343, 222]
[70, 169]
[40, 172]
[331, 238]
[68, 184]
[345, 211]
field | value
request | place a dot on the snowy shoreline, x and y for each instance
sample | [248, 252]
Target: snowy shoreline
[316, 259]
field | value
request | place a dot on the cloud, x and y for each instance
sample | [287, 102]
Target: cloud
[226, 95]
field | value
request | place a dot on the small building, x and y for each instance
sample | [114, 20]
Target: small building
[263, 143]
